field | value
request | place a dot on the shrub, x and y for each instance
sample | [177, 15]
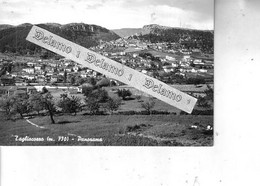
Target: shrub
[160, 112]
[44, 90]
[148, 105]
[184, 113]
[124, 93]
[137, 127]
[112, 105]
[199, 112]
[195, 81]
[130, 112]
[138, 97]
[122, 130]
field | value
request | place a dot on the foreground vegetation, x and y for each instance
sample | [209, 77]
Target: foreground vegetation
[113, 117]
[116, 130]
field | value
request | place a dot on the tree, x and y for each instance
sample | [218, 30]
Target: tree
[44, 90]
[69, 104]
[7, 105]
[208, 99]
[148, 105]
[92, 81]
[21, 105]
[94, 97]
[75, 104]
[80, 80]
[63, 103]
[103, 82]
[124, 93]
[49, 105]
[138, 97]
[101, 95]
[65, 76]
[209, 93]
[72, 80]
[93, 106]
[112, 105]
[87, 90]
[202, 102]
[43, 67]
[36, 103]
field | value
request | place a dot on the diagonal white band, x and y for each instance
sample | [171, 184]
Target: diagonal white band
[111, 68]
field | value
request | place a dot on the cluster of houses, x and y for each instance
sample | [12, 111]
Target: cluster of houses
[167, 59]
[163, 60]
[43, 72]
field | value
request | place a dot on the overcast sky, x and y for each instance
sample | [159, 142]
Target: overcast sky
[112, 14]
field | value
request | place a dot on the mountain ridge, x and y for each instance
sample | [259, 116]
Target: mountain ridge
[146, 29]
[13, 38]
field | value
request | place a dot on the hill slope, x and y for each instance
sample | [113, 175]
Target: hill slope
[125, 32]
[12, 39]
[191, 38]
[5, 26]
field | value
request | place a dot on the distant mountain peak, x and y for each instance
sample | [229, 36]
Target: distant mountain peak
[153, 26]
[146, 29]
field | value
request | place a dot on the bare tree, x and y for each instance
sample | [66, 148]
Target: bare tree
[148, 105]
[47, 100]
[112, 105]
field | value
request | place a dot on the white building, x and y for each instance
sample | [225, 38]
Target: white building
[29, 70]
[203, 70]
[170, 58]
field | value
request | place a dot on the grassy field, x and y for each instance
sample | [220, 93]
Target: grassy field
[132, 104]
[114, 130]
[111, 130]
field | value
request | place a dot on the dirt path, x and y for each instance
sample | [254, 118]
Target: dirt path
[41, 127]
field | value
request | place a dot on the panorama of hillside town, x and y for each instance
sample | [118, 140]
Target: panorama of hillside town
[47, 99]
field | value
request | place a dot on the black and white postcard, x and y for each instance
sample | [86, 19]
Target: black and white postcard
[106, 73]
